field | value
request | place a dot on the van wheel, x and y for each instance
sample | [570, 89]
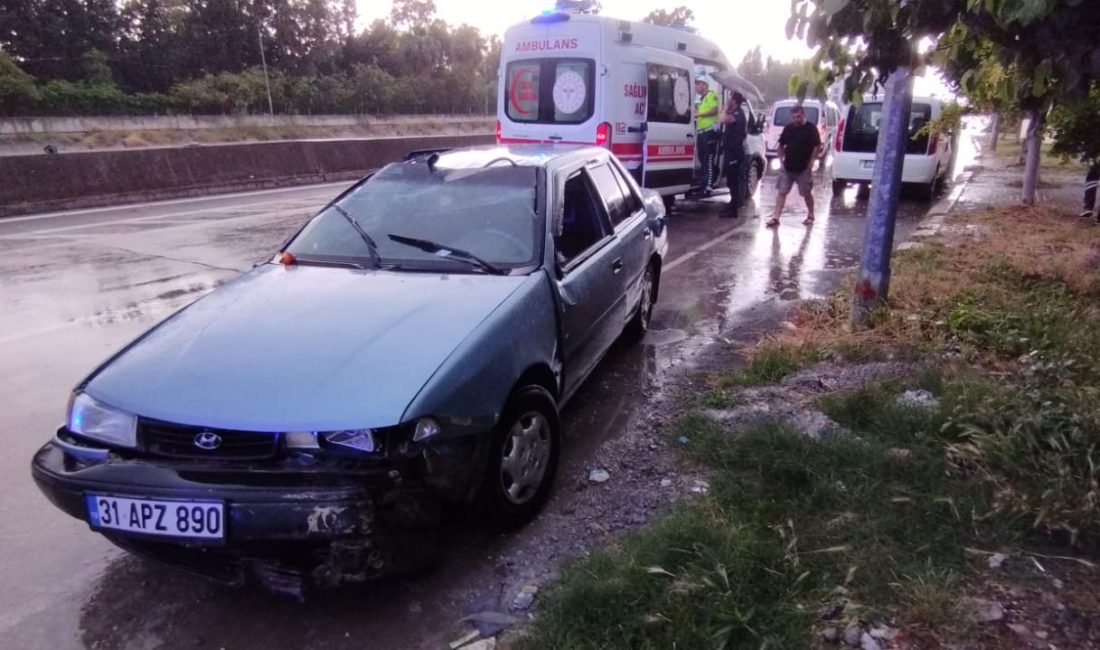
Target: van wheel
[928, 190]
[523, 460]
[669, 200]
[839, 186]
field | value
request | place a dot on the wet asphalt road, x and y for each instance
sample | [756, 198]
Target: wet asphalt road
[74, 287]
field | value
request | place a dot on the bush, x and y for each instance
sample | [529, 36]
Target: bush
[18, 94]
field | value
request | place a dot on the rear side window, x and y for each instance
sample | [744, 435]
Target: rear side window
[782, 115]
[862, 128]
[613, 197]
[669, 95]
[550, 91]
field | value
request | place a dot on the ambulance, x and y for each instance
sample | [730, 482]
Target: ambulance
[583, 79]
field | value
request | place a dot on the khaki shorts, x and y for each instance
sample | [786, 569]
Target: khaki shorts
[787, 180]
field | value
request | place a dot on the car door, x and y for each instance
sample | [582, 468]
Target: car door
[669, 153]
[632, 235]
[592, 304]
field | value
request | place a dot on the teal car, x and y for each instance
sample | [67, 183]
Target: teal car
[409, 348]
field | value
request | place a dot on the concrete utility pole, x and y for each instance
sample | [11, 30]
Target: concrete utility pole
[873, 281]
[996, 132]
[263, 61]
[1032, 154]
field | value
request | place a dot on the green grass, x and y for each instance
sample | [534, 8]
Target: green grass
[788, 522]
[771, 365]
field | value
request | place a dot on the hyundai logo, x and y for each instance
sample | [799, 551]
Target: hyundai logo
[208, 440]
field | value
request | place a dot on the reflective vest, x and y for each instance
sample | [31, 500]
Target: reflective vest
[708, 103]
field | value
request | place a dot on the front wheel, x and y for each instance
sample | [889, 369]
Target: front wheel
[753, 181]
[523, 459]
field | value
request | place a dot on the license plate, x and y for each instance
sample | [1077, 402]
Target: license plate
[188, 519]
[868, 164]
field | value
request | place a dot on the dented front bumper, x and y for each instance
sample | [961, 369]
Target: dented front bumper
[286, 526]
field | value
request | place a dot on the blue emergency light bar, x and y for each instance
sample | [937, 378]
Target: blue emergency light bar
[550, 17]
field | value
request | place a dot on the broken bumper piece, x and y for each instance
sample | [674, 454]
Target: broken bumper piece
[286, 529]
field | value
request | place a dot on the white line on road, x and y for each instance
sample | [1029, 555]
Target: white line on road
[705, 247]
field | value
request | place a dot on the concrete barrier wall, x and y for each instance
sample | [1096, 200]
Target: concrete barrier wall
[27, 125]
[51, 182]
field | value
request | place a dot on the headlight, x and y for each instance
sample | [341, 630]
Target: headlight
[97, 421]
[426, 428]
[358, 439]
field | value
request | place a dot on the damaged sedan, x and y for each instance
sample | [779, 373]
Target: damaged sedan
[408, 350]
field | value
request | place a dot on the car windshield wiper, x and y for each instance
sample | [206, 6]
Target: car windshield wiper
[429, 246]
[372, 247]
[310, 260]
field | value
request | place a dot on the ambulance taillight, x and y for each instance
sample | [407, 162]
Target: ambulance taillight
[603, 135]
[498, 131]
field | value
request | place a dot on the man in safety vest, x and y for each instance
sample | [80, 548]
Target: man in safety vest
[706, 130]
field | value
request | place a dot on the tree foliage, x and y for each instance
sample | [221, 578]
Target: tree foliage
[66, 57]
[771, 76]
[678, 17]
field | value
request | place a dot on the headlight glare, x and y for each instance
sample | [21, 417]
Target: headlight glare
[426, 428]
[95, 420]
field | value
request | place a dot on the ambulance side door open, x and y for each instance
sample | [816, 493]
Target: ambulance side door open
[669, 150]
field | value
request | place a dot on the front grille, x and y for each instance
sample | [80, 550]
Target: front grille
[179, 441]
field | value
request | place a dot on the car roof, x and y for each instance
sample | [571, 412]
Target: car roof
[548, 156]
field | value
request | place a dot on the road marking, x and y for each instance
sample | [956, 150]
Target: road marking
[154, 204]
[702, 249]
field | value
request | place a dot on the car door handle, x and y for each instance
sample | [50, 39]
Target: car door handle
[617, 266]
[691, 136]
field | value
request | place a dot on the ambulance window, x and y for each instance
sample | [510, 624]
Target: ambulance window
[669, 95]
[550, 91]
[612, 194]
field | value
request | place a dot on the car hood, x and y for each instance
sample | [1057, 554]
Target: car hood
[300, 348]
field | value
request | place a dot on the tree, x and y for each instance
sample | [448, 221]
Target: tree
[579, 6]
[1048, 46]
[18, 93]
[412, 13]
[1074, 128]
[771, 77]
[678, 17]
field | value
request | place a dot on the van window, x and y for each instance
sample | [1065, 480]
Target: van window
[831, 116]
[782, 115]
[861, 129]
[550, 91]
[669, 95]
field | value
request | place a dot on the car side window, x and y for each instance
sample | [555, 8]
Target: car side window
[583, 224]
[633, 202]
[611, 192]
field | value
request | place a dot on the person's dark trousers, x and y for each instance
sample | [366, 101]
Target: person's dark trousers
[736, 168]
[706, 141]
[1091, 181]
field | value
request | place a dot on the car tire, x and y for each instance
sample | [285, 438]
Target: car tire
[639, 323]
[839, 186]
[523, 460]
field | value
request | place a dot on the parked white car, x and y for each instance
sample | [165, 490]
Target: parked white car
[928, 158]
[825, 115]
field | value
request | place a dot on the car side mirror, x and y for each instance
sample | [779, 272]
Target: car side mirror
[654, 209]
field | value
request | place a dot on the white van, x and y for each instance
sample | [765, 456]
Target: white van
[928, 159]
[573, 78]
[826, 115]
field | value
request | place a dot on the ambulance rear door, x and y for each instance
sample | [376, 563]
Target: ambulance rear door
[669, 151]
[551, 79]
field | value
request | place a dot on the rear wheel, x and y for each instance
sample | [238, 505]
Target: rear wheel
[639, 324]
[523, 459]
[669, 200]
[839, 186]
[929, 189]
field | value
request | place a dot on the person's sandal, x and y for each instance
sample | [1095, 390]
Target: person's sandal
[774, 223]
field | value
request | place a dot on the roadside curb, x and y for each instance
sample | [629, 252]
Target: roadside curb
[933, 222]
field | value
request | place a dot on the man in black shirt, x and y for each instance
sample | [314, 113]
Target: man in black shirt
[799, 146]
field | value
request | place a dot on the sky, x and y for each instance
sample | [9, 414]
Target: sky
[737, 26]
